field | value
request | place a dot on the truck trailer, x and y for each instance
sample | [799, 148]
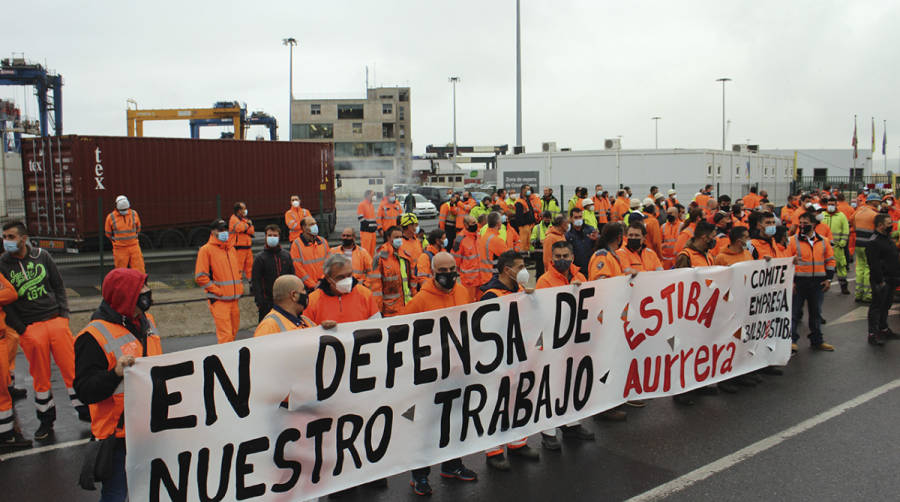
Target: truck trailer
[731, 173]
[178, 186]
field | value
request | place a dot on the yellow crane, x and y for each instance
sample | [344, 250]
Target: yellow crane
[222, 110]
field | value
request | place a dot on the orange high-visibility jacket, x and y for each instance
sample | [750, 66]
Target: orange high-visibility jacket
[123, 230]
[392, 280]
[490, 246]
[604, 264]
[815, 260]
[760, 248]
[361, 260]
[292, 218]
[727, 258]
[388, 212]
[644, 261]
[697, 258]
[447, 216]
[864, 220]
[116, 341]
[8, 295]
[275, 322]
[465, 250]
[602, 208]
[423, 264]
[240, 232]
[552, 278]
[684, 236]
[751, 201]
[309, 259]
[653, 239]
[553, 236]
[619, 209]
[218, 272]
[411, 249]
[365, 213]
[670, 231]
[462, 209]
[722, 242]
[357, 305]
[432, 298]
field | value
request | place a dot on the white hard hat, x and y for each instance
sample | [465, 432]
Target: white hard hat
[671, 191]
[122, 203]
[647, 202]
[659, 196]
[635, 203]
[586, 202]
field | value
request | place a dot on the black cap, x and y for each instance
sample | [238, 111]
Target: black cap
[218, 224]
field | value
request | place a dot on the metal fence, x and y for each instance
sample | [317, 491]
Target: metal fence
[848, 185]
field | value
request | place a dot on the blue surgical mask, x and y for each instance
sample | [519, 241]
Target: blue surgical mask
[397, 243]
[10, 246]
[770, 230]
[417, 230]
[503, 218]
[314, 229]
[271, 241]
[222, 236]
[445, 242]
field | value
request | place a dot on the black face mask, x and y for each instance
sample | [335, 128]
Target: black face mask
[725, 207]
[347, 242]
[805, 229]
[670, 218]
[302, 299]
[472, 228]
[446, 279]
[562, 266]
[145, 301]
[634, 244]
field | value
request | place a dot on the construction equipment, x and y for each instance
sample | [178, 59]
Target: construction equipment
[256, 118]
[228, 111]
[17, 71]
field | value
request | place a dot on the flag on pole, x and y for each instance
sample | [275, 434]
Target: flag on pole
[853, 142]
[873, 134]
[884, 140]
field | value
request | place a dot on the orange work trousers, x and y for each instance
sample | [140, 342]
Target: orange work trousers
[245, 261]
[6, 412]
[38, 341]
[227, 316]
[12, 347]
[367, 241]
[129, 257]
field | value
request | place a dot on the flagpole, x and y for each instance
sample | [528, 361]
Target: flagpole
[884, 146]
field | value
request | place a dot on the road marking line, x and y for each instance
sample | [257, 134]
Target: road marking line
[835, 283]
[42, 449]
[701, 473]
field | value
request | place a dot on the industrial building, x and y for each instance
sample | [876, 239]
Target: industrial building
[828, 162]
[372, 137]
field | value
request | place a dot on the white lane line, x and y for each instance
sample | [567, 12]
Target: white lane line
[42, 449]
[701, 473]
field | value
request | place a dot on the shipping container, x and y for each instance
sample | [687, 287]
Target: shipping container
[687, 171]
[178, 186]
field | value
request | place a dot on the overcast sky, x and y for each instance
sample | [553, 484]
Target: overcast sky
[592, 69]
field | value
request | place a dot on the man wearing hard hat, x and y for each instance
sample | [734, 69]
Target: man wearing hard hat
[122, 228]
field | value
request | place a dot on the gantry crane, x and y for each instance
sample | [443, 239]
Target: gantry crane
[17, 71]
[256, 118]
[224, 110]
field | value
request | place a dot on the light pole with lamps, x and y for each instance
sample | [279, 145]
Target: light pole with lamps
[453, 81]
[290, 42]
[723, 80]
[656, 131]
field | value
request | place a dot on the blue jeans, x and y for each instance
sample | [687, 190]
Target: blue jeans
[115, 489]
[809, 291]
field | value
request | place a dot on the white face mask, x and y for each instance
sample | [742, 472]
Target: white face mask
[889, 202]
[523, 276]
[831, 209]
[853, 204]
[503, 218]
[578, 222]
[344, 285]
[295, 203]
[820, 217]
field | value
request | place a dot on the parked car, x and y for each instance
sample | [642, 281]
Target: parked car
[424, 208]
[436, 194]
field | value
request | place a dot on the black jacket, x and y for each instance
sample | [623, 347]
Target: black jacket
[94, 381]
[884, 259]
[495, 283]
[268, 265]
[42, 295]
[583, 246]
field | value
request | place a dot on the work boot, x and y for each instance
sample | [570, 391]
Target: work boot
[844, 289]
[577, 431]
[84, 413]
[17, 394]
[612, 415]
[13, 440]
[824, 347]
[525, 452]
[44, 431]
[822, 320]
[461, 473]
[498, 462]
[727, 386]
[875, 339]
[420, 486]
[550, 442]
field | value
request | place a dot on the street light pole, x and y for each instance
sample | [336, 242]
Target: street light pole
[656, 131]
[518, 79]
[453, 81]
[723, 80]
[290, 42]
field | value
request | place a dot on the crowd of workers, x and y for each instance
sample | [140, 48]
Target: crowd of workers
[477, 252]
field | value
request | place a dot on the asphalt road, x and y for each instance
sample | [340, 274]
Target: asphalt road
[826, 430]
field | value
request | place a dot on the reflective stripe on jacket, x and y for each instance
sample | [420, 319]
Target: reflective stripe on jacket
[309, 259]
[123, 230]
[218, 272]
[814, 260]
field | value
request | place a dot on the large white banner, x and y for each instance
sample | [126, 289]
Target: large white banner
[374, 398]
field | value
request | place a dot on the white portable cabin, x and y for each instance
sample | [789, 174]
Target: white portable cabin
[731, 173]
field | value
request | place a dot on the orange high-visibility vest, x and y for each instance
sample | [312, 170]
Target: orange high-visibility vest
[123, 230]
[697, 259]
[815, 260]
[309, 260]
[670, 231]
